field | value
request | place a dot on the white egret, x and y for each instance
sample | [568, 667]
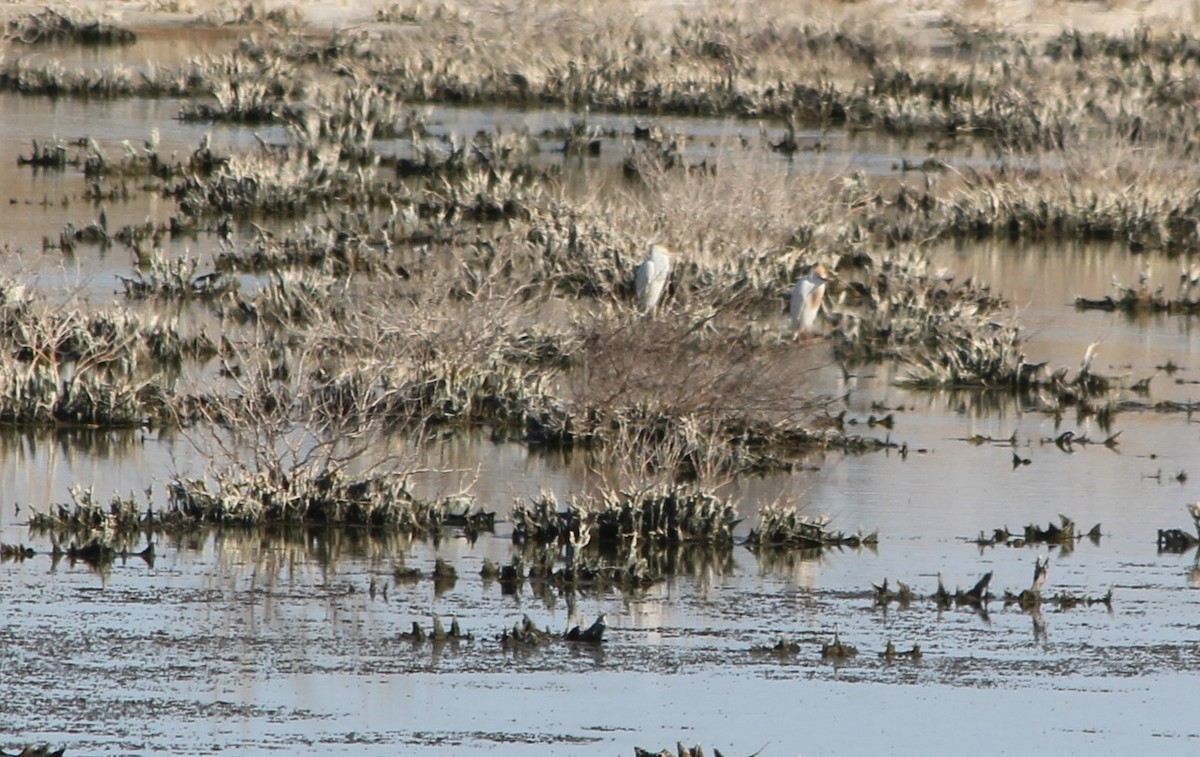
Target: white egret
[650, 278]
[806, 299]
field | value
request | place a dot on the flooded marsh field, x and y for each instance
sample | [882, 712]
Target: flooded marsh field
[335, 416]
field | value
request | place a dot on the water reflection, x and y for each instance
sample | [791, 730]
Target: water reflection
[67, 444]
[800, 565]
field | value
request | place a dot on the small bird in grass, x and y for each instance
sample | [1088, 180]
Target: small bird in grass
[650, 278]
[807, 295]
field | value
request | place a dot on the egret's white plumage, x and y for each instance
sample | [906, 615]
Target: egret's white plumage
[806, 299]
[650, 278]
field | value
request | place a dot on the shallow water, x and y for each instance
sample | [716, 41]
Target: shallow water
[257, 644]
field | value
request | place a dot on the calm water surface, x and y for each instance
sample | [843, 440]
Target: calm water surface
[252, 644]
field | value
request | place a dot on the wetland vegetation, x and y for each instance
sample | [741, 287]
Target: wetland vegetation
[471, 240]
[368, 276]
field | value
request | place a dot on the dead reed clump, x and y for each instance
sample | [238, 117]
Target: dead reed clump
[1141, 299]
[332, 498]
[838, 649]
[540, 521]
[680, 751]
[34, 397]
[1063, 534]
[571, 254]
[431, 395]
[1102, 189]
[902, 595]
[48, 155]
[294, 179]
[252, 13]
[71, 235]
[101, 368]
[22, 74]
[438, 633]
[784, 525]
[1013, 91]
[1176, 540]
[578, 565]
[985, 357]
[672, 395]
[610, 383]
[977, 596]
[249, 184]
[429, 358]
[258, 84]
[525, 633]
[660, 517]
[40, 750]
[436, 391]
[330, 251]
[593, 634]
[157, 278]
[97, 533]
[663, 517]
[1134, 46]
[139, 169]
[1032, 600]
[16, 552]
[50, 26]
[951, 333]
[123, 515]
[999, 86]
[355, 112]
[290, 299]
